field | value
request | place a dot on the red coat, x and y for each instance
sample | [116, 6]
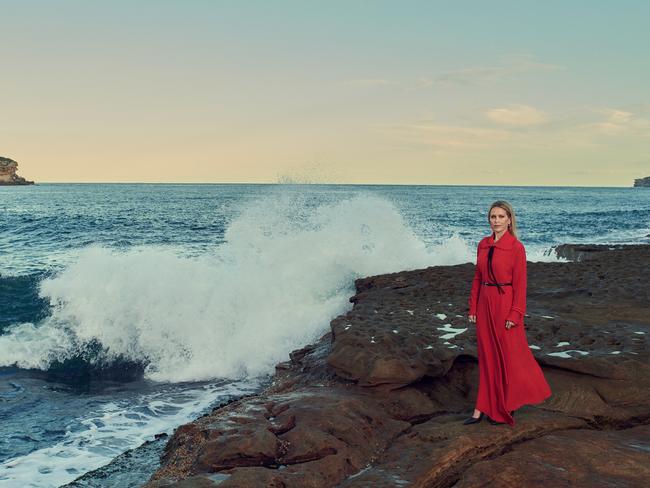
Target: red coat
[509, 375]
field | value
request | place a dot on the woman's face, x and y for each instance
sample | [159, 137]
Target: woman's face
[499, 220]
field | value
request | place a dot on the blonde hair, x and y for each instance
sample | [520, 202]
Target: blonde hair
[511, 214]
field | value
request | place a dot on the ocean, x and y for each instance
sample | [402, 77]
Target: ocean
[129, 309]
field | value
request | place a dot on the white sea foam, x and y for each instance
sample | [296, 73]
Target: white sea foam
[284, 271]
[537, 254]
[114, 428]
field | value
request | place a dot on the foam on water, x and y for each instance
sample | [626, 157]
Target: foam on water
[284, 272]
[543, 254]
[114, 428]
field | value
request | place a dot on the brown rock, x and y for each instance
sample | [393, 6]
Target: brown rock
[8, 176]
[379, 400]
[436, 453]
[252, 446]
[569, 458]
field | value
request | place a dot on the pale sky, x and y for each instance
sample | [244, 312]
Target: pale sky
[404, 92]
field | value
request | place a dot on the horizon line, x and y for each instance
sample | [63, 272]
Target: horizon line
[303, 184]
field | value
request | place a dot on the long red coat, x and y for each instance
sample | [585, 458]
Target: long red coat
[509, 375]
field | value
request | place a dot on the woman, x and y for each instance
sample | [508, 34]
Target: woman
[509, 376]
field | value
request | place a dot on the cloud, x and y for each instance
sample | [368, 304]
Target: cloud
[573, 130]
[508, 69]
[618, 116]
[450, 137]
[620, 122]
[516, 115]
[424, 82]
[369, 82]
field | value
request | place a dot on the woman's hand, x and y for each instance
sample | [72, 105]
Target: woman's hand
[509, 324]
[472, 318]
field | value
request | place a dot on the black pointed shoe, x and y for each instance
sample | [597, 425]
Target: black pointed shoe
[473, 420]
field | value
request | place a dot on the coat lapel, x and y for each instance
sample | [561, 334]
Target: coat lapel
[506, 242]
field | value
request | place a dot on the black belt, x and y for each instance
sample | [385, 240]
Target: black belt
[491, 274]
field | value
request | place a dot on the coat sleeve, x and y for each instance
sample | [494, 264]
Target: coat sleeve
[476, 288]
[519, 282]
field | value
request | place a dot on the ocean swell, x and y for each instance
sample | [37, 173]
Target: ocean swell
[285, 269]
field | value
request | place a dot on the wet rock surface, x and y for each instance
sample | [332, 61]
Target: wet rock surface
[380, 399]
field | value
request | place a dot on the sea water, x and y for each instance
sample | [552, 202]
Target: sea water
[129, 309]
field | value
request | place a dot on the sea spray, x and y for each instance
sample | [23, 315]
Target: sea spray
[286, 268]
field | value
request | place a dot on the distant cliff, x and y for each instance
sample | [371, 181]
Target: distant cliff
[642, 181]
[8, 176]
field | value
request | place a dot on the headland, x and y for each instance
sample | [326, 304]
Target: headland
[642, 182]
[8, 175]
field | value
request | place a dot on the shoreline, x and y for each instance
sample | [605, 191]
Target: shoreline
[374, 400]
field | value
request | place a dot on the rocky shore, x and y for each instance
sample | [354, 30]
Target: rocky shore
[8, 176]
[643, 182]
[379, 400]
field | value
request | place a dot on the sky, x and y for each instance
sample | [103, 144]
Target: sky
[378, 92]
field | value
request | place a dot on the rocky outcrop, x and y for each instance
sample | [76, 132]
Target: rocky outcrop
[8, 176]
[379, 400]
[642, 181]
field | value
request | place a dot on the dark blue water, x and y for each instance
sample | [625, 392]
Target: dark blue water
[125, 310]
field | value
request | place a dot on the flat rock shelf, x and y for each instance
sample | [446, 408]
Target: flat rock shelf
[379, 400]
